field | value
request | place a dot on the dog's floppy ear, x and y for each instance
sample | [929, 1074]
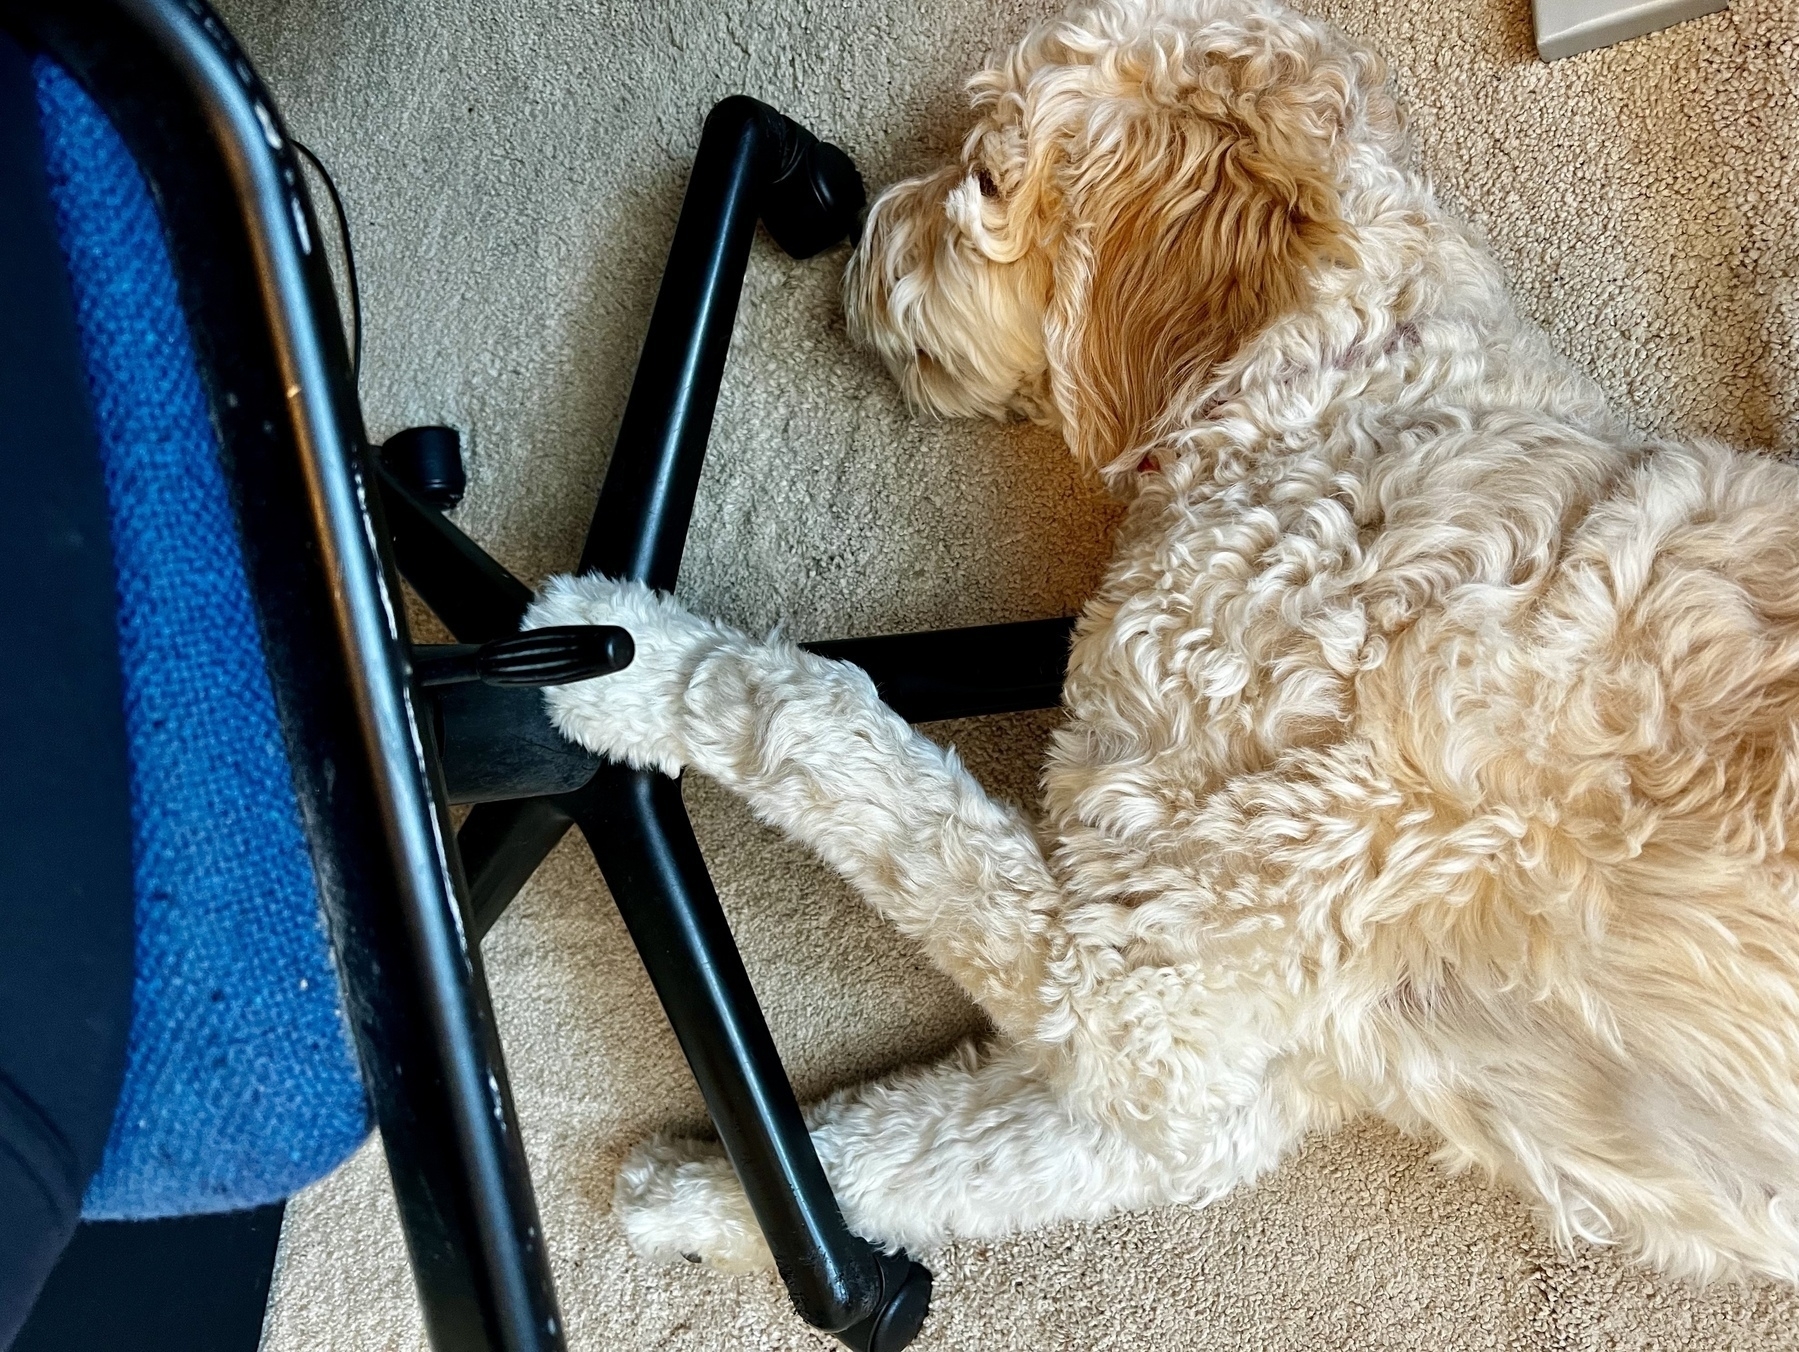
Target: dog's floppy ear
[1191, 224]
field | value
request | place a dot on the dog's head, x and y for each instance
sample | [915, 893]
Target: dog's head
[1147, 186]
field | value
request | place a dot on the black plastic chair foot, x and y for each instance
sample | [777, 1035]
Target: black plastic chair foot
[816, 198]
[898, 1316]
[428, 462]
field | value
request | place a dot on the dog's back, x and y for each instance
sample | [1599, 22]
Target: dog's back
[1483, 751]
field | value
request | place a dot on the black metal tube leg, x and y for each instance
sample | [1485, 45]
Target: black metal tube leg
[751, 160]
[501, 846]
[637, 827]
[465, 587]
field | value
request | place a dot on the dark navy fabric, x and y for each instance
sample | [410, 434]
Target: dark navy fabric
[65, 802]
[241, 1083]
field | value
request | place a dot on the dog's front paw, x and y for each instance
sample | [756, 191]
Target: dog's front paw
[634, 715]
[679, 1201]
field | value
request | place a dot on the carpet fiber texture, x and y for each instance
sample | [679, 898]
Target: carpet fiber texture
[513, 172]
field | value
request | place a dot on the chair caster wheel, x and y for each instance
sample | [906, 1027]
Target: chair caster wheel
[428, 463]
[818, 198]
[811, 195]
[905, 1299]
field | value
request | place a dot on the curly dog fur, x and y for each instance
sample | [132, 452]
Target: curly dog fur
[1432, 744]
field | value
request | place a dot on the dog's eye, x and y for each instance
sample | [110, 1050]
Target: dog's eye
[988, 187]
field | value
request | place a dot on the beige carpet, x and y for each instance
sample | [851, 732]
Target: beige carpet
[514, 170]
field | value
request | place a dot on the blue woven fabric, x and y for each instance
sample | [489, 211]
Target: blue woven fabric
[241, 1083]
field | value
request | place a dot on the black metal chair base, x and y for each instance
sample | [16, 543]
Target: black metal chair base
[752, 163]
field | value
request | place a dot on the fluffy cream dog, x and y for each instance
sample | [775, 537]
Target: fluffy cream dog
[1432, 746]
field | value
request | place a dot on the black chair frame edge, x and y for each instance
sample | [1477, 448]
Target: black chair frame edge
[253, 277]
[373, 781]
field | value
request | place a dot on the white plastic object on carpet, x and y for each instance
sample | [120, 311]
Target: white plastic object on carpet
[1568, 27]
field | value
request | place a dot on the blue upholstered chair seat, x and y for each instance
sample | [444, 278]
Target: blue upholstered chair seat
[241, 1082]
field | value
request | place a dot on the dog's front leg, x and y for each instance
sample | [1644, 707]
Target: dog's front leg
[977, 1146]
[811, 747]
